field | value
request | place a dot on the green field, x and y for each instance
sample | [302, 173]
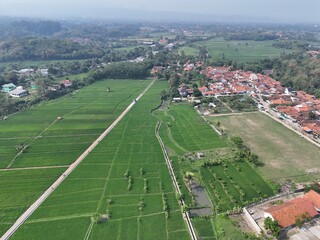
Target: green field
[229, 185]
[86, 113]
[54, 142]
[125, 177]
[190, 51]
[224, 225]
[241, 51]
[284, 154]
[186, 131]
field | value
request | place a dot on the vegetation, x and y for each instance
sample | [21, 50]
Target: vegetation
[273, 226]
[239, 103]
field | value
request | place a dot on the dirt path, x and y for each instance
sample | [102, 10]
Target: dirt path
[186, 216]
[50, 190]
[31, 168]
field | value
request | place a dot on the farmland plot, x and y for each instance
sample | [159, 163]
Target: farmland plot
[124, 180]
[52, 142]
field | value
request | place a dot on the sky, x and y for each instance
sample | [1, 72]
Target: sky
[289, 11]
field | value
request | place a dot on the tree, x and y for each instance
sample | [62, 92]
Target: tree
[312, 115]
[302, 219]
[273, 226]
[163, 95]
[237, 141]
[197, 93]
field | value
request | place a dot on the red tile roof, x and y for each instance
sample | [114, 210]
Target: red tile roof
[287, 213]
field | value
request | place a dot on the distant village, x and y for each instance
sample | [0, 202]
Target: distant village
[294, 106]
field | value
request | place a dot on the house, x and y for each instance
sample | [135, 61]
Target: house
[169, 46]
[8, 87]
[287, 213]
[203, 89]
[43, 72]
[290, 91]
[18, 92]
[66, 83]
[26, 72]
[147, 42]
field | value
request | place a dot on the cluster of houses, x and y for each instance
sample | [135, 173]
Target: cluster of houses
[295, 106]
[14, 91]
[27, 72]
[19, 91]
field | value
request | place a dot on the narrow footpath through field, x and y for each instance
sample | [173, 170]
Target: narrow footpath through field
[186, 216]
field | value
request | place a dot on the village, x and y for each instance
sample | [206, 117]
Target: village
[298, 109]
[30, 85]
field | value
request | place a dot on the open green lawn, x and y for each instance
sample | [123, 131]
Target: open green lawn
[241, 51]
[125, 177]
[285, 155]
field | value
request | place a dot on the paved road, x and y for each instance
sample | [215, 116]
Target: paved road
[186, 216]
[289, 127]
[50, 190]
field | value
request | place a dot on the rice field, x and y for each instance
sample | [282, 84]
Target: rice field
[124, 179]
[52, 142]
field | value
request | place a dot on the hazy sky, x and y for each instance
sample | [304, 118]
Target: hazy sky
[278, 10]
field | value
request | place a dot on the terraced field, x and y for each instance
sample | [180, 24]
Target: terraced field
[54, 143]
[124, 180]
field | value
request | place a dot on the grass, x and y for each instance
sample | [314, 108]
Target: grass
[226, 225]
[101, 185]
[241, 51]
[280, 149]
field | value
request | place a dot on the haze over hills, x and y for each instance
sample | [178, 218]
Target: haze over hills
[271, 11]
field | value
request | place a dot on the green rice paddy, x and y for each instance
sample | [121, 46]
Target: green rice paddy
[125, 177]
